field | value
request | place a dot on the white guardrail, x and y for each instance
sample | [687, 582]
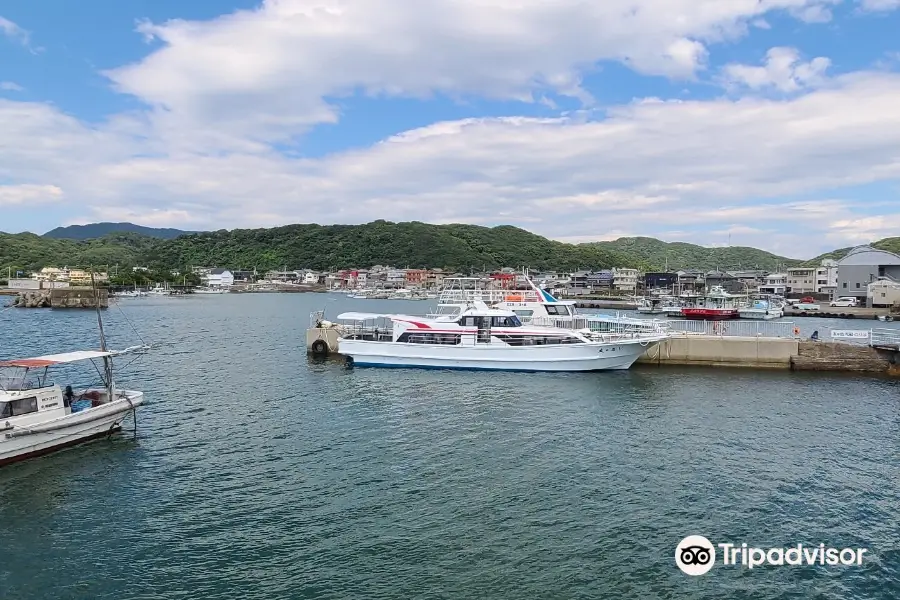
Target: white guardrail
[885, 338]
[773, 329]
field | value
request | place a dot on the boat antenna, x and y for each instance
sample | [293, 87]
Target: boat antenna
[107, 362]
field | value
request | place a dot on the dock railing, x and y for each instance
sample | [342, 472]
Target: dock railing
[770, 329]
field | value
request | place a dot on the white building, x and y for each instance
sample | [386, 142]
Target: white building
[801, 280]
[310, 277]
[625, 280]
[218, 278]
[775, 284]
[827, 277]
[396, 277]
[884, 291]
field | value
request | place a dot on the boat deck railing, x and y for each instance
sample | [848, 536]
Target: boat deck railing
[605, 325]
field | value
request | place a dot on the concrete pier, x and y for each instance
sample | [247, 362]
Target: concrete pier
[724, 351]
[772, 353]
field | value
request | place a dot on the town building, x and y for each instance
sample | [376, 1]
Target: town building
[218, 278]
[625, 279]
[801, 280]
[600, 280]
[827, 277]
[883, 292]
[864, 265]
[775, 284]
[660, 281]
[415, 278]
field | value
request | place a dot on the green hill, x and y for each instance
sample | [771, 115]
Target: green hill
[30, 252]
[97, 230]
[680, 255]
[890, 244]
[413, 244]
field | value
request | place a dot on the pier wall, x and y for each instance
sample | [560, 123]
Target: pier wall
[724, 351]
[62, 298]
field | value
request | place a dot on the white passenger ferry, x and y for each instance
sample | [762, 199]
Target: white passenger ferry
[479, 337]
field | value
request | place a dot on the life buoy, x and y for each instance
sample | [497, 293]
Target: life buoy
[796, 331]
[319, 347]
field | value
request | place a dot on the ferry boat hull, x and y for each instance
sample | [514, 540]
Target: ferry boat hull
[20, 442]
[550, 358]
[709, 314]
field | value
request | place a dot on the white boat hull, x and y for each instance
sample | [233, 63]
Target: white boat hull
[760, 314]
[17, 444]
[555, 357]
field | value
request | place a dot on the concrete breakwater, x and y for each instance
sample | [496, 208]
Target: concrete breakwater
[772, 353]
[62, 298]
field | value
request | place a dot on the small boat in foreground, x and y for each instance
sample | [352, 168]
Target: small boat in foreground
[38, 417]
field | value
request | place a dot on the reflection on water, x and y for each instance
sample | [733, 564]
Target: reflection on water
[261, 472]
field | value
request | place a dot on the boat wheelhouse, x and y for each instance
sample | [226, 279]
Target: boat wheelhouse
[37, 416]
[762, 309]
[716, 305]
[477, 336]
[537, 307]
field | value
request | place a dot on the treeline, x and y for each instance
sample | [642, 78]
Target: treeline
[414, 245]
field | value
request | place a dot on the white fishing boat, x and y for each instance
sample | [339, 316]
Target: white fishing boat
[482, 338]
[210, 290]
[762, 309]
[159, 290]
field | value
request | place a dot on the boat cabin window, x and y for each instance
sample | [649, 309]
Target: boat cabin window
[472, 321]
[524, 313]
[21, 406]
[561, 310]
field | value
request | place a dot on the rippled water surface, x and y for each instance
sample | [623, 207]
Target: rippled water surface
[257, 473]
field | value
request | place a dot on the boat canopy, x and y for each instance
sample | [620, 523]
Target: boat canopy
[361, 316]
[56, 359]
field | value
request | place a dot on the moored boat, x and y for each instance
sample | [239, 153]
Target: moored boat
[716, 305]
[482, 338]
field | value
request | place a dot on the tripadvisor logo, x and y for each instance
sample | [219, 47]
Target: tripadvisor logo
[696, 555]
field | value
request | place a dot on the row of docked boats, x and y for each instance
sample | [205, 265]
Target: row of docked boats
[381, 294]
[716, 305]
[480, 329]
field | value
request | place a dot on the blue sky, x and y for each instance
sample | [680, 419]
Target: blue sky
[710, 121]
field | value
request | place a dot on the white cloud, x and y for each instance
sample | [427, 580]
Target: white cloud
[648, 166]
[13, 32]
[783, 70]
[11, 86]
[266, 74]
[30, 194]
[879, 5]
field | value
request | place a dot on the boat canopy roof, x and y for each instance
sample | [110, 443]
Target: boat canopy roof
[55, 359]
[477, 311]
[363, 316]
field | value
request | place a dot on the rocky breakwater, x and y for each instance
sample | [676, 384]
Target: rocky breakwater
[837, 356]
[35, 299]
[62, 298]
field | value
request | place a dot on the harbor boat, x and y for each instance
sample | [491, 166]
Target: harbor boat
[716, 305]
[210, 290]
[38, 417]
[655, 305]
[159, 291]
[482, 338]
[761, 309]
[540, 308]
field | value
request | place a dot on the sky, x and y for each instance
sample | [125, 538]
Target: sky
[768, 123]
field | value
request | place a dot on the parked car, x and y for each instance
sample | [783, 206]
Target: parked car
[808, 300]
[844, 301]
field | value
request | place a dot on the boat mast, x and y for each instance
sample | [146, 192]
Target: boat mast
[107, 361]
